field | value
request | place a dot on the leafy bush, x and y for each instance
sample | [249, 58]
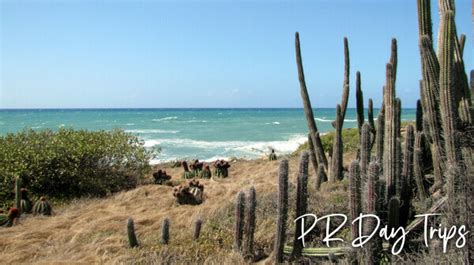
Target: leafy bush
[350, 140]
[71, 163]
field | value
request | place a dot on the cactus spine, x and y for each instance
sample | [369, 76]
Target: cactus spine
[250, 223]
[165, 232]
[355, 204]
[197, 228]
[319, 151]
[336, 161]
[301, 203]
[239, 221]
[18, 194]
[132, 238]
[282, 211]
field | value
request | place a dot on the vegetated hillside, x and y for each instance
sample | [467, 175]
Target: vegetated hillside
[93, 230]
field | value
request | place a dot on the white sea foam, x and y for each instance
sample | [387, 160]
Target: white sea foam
[325, 120]
[153, 131]
[237, 148]
[129, 124]
[274, 122]
[166, 118]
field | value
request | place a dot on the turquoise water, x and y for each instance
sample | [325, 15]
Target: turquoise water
[206, 134]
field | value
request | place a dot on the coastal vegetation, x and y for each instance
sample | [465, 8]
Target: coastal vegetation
[67, 163]
[251, 214]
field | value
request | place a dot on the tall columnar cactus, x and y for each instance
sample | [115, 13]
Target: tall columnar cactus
[359, 103]
[430, 102]
[132, 238]
[282, 211]
[379, 137]
[355, 204]
[250, 224]
[319, 151]
[393, 214]
[336, 162]
[370, 116]
[364, 150]
[18, 193]
[374, 246]
[165, 232]
[239, 221]
[407, 175]
[197, 228]
[418, 173]
[301, 203]
[398, 114]
[394, 59]
[419, 116]
[312, 155]
[390, 135]
[462, 42]
[424, 18]
[447, 89]
[320, 177]
[345, 85]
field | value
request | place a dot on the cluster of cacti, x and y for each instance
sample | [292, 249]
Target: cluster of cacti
[201, 170]
[272, 156]
[42, 207]
[206, 173]
[196, 168]
[186, 174]
[192, 193]
[160, 177]
[447, 108]
[221, 168]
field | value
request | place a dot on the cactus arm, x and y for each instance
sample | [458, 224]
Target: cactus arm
[307, 106]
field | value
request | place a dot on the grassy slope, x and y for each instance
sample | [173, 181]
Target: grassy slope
[93, 230]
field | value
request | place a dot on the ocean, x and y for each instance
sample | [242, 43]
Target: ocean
[205, 134]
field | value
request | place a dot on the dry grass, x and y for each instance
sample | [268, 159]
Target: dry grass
[93, 230]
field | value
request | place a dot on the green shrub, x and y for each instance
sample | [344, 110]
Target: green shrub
[71, 163]
[350, 140]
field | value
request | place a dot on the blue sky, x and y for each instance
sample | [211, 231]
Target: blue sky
[112, 54]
